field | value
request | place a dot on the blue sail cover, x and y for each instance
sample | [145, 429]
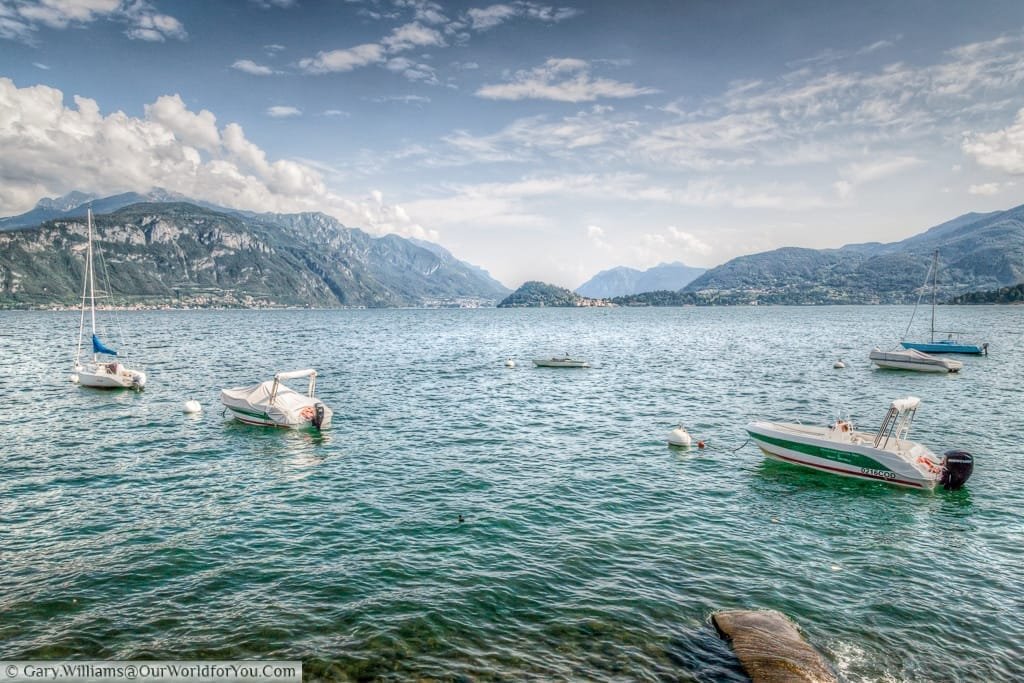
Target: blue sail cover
[98, 347]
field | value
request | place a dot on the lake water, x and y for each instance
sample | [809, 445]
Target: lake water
[589, 550]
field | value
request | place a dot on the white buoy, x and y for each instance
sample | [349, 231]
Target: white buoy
[191, 406]
[509, 363]
[679, 437]
[839, 364]
[73, 377]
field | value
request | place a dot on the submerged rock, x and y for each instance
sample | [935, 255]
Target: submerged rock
[770, 647]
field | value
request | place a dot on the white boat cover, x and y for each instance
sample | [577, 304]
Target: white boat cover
[295, 374]
[908, 403]
[286, 409]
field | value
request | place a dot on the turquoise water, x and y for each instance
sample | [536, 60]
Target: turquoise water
[589, 549]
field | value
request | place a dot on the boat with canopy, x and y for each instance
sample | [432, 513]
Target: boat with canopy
[886, 455]
[560, 362]
[912, 359]
[274, 404]
[105, 370]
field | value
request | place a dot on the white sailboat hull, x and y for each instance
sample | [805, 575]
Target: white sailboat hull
[110, 376]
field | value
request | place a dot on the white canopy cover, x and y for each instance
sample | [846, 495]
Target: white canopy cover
[905, 404]
[288, 409]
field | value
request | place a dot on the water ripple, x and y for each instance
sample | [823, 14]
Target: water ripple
[587, 549]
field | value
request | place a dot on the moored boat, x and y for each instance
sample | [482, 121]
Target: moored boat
[560, 362]
[104, 370]
[952, 343]
[273, 404]
[911, 359]
[886, 455]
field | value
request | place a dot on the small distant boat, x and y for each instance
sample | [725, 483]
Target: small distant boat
[911, 359]
[886, 455]
[952, 343]
[272, 404]
[104, 370]
[560, 362]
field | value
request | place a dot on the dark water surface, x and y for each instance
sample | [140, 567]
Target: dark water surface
[589, 550]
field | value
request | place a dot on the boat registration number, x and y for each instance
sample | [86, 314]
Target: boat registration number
[885, 474]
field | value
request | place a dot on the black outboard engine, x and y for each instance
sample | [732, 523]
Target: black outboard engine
[957, 467]
[318, 419]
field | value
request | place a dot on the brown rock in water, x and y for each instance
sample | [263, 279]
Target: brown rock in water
[770, 647]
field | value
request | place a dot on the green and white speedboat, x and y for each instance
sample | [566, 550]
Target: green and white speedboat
[886, 455]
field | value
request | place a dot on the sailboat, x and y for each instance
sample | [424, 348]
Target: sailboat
[952, 343]
[104, 370]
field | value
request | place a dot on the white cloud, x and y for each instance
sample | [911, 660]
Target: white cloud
[50, 149]
[985, 189]
[1001, 149]
[343, 60]
[196, 130]
[878, 45]
[869, 171]
[401, 99]
[412, 35]
[485, 18]
[591, 131]
[690, 243]
[267, 4]
[148, 24]
[820, 114]
[519, 203]
[843, 188]
[251, 67]
[561, 80]
[20, 18]
[596, 236]
[40, 65]
[413, 71]
[335, 112]
[283, 112]
[60, 14]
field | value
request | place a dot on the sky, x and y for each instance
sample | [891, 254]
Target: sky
[538, 140]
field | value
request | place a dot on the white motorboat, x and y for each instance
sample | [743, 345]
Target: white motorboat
[560, 362]
[886, 455]
[103, 370]
[912, 359]
[273, 404]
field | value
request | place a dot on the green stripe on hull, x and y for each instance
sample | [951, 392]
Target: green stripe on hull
[262, 416]
[837, 456]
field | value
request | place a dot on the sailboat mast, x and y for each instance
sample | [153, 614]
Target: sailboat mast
[935, 285]
[92, 284]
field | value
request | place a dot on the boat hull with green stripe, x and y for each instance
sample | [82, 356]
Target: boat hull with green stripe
[886, 455]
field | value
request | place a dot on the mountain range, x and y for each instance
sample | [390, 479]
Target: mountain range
[977, 251]
[622, 281]
[178, 252]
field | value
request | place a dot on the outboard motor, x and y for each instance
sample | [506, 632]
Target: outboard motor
[318, 419]
[957, 467]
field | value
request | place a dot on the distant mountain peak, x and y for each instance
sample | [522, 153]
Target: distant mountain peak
[71, 200]
[624, 281]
